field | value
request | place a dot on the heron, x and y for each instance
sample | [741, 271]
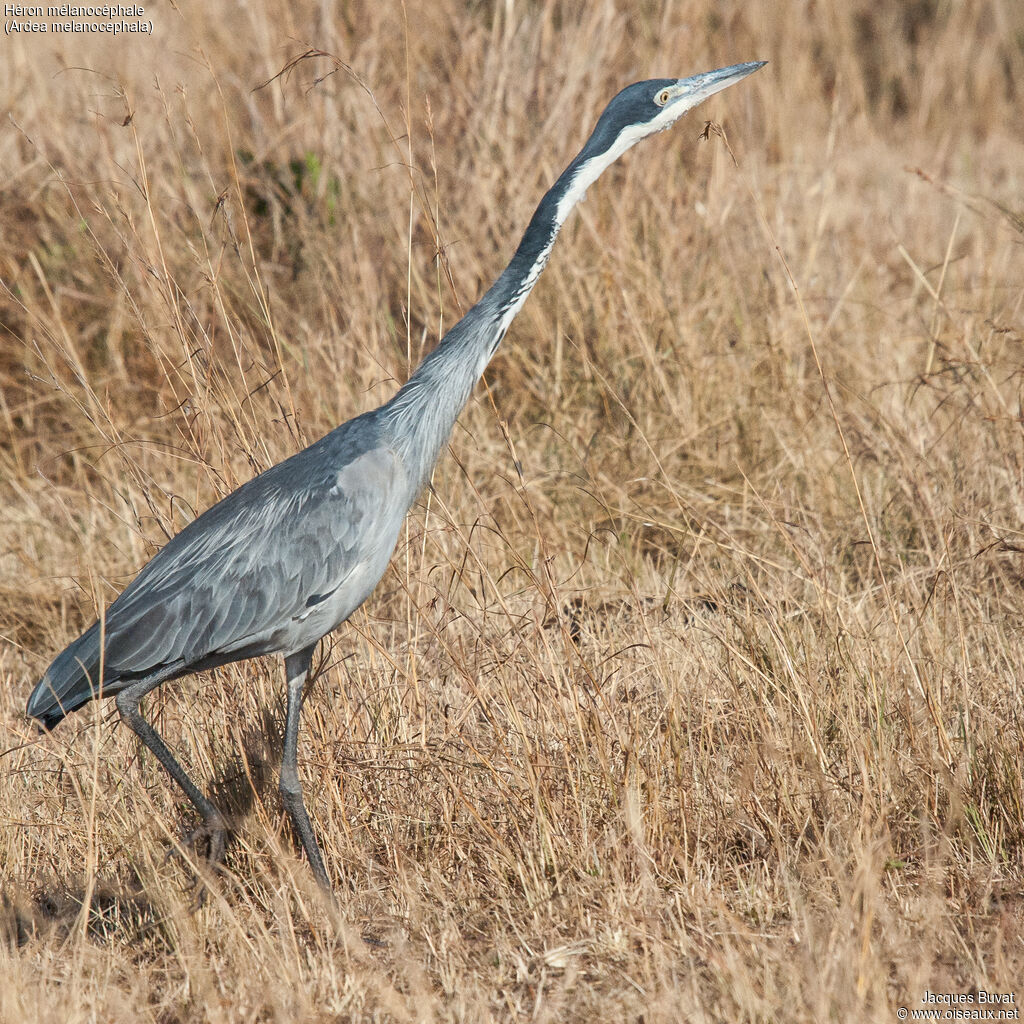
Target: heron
[287, 557]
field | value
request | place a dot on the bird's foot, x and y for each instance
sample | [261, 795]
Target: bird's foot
[214, 833]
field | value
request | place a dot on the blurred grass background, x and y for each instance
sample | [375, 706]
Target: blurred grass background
[693, 691]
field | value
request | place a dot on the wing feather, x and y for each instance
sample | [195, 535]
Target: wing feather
[247, 577]
[315, 531]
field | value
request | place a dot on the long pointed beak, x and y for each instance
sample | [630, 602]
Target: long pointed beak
[697, 88]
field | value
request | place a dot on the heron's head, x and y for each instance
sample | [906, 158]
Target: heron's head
[644, 108]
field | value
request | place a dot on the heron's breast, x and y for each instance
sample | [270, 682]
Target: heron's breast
[367, 551]
[334, 607]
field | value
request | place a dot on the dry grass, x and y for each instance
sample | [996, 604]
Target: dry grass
[694, 690]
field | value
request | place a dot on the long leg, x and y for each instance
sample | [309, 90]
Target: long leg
[296, 667]
[128, 705]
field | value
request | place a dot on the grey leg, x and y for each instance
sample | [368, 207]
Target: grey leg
[128, 705]
[296, 667]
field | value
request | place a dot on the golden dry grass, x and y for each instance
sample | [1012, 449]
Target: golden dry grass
[694, 689]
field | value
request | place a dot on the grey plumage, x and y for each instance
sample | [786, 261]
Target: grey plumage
[250, 576]
[288, 556]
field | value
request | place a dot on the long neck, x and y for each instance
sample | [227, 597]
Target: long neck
[421, 416]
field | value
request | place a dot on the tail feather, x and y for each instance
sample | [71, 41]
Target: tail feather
[71, 681]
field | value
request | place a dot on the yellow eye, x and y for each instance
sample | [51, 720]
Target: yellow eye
[662, 98]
